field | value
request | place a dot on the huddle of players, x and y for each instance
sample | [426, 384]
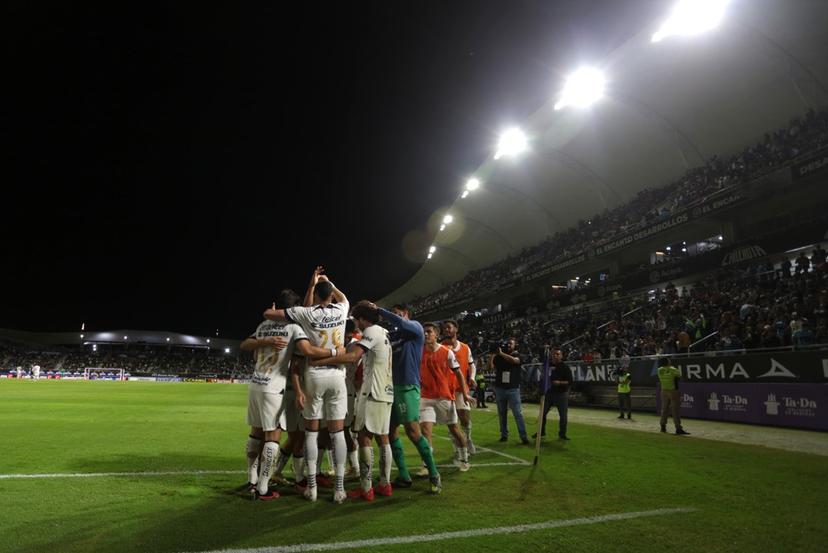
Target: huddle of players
[301, 365]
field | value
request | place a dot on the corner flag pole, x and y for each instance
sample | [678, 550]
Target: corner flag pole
[544, 387]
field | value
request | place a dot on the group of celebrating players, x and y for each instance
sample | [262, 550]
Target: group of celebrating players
[320, 376]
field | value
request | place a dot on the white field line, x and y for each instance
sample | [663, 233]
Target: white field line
[334, 546]
[518, 460]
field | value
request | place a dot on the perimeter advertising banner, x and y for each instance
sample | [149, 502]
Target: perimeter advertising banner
[792, 405]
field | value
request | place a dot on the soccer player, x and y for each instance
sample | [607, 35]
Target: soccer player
[327, 395]
[407, 341]
[376, 394]
[274, 343]
[462, 352]
[36, 372]
[439, 374]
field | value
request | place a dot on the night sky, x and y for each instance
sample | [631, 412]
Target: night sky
[173, 167]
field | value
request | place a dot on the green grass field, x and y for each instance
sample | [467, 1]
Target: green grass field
[745, 498]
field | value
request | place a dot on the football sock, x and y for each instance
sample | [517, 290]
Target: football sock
[254, 446]
[399, 458]
[340, 453]
[353, 458]
[366, 455]
[329, 457]
[385, 464]
[463, 453]
[311, 454]
[298, 468]
[281, 461]
[269, 453]
[467, 431]
[427, 456]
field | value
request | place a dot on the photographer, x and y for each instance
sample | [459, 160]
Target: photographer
[506, 365]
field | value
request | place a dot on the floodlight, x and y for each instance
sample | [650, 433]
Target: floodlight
[208, 340]
[472, 184]
[81, 336]
[126, 337]
[168, 339]
[226, 350]
[443, 227]
[691, 17]
[583, 88]
[429, 256]
[512, 142]
[464, 194]
[448, 219]
[432, 249]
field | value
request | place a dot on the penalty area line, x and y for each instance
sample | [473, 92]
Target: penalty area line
[549, 524]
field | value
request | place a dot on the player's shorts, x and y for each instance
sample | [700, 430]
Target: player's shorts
[265, 410]
[406, 406]
[349, 418]
[372, 415]
[326, 396]
[438, 411]
[293, 416]
[460, 402]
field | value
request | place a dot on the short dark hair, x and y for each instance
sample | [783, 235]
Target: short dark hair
[451, 322]
[403, 307]
[432, 325]
[663, 361]
[323, 290]
[350, 326]
[363, 310]
[287, 298]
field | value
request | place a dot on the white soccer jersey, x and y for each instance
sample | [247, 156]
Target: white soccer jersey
[324, 326]
[376, 375]
[273, 367]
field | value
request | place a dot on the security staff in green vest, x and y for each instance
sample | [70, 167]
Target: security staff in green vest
[481, 389]
[669, 377]
[624, 400]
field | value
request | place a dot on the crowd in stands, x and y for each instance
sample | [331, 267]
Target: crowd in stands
[802, 136]
[761, 307]
[135, 360]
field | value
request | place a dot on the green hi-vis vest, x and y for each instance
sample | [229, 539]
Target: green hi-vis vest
[624, 383]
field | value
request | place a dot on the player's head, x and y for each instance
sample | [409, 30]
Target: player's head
[350, 329]
[287, 298]
[365, 314]
[323, 292]
[402, 309]
[449, 328]
[664, 362]
[432, 331]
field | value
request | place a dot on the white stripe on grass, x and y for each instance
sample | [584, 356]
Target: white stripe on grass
[401, 540]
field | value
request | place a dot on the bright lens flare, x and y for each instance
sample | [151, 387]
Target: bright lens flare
[432, 249]
[472, 184]
[691, 17]
[448, 219]
[512, 142]
[583, 88]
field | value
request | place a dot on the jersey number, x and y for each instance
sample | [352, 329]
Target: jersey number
[336, 338]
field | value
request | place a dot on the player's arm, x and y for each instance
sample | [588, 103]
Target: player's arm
[409, 327]
[313, 280]
[273, 314]
[352, 355]
[252, 343]
[296, 364]
[307, 349]
[472, 374]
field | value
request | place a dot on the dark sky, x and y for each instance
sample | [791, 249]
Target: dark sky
[171, 167]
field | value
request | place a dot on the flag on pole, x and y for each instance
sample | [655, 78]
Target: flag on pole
[544, 386]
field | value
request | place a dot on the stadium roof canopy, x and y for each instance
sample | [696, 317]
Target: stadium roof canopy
[668, 106]
[121, 336]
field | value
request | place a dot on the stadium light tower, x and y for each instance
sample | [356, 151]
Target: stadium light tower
[583, 88]
[691, 17]
[512, 142]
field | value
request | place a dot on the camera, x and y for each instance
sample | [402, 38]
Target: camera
[494, 346]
